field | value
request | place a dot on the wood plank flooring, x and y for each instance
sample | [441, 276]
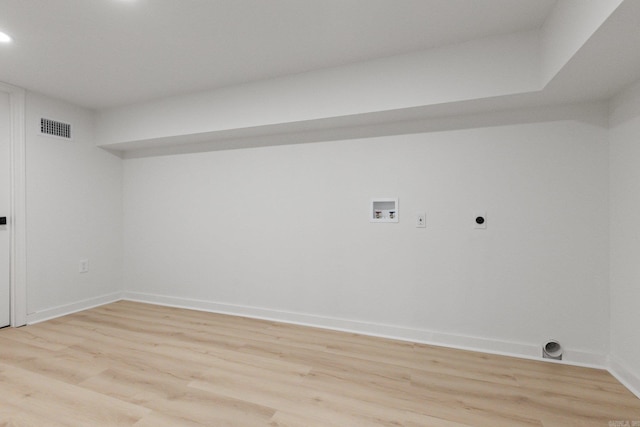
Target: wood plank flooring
[132, 364]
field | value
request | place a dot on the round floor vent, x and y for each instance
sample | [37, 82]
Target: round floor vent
[552, 350]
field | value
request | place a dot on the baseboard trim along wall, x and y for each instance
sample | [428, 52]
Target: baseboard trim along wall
[622, 374]
[514, 349]
[63, 310]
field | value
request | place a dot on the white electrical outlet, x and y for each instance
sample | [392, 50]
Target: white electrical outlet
[84, 266]
[421, 220]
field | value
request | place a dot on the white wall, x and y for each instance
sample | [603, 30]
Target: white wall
[74, 211]
[283, 232]
[625, 235]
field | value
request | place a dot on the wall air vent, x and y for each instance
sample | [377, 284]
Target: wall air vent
[55, 128]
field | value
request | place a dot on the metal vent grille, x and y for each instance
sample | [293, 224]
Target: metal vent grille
[55, 128]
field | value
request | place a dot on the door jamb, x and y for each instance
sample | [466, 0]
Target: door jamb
[17, 205]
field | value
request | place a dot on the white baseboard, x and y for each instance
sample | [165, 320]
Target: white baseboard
[505, 348]
[74, 307]
[624, 375]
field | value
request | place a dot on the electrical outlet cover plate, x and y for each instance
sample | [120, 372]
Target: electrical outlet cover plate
[421, 220]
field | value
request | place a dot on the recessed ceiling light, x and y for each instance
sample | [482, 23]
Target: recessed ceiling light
[4, 38]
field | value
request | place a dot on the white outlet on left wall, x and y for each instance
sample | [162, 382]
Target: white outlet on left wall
[84, 266]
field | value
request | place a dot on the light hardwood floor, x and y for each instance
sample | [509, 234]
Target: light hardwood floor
[138, 364]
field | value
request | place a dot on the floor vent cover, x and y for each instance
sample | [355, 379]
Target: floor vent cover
[55, 128]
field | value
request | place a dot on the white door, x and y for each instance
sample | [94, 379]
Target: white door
[5, 295]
